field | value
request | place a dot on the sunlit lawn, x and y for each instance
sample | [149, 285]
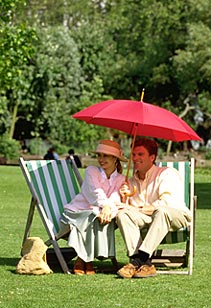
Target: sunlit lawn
[100, 290]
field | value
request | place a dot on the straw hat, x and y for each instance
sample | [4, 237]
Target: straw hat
[110, 147]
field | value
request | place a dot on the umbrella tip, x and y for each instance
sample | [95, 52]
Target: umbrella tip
[142, 94]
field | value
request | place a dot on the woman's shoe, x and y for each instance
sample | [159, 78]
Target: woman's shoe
[79, 267]
[89, 269]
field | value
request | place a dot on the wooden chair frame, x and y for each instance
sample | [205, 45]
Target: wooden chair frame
[177, 258]
[66, 171]
[52, 183]
[73, 179]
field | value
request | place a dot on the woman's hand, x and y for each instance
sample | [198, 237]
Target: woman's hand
[105, 216]
[120, 205]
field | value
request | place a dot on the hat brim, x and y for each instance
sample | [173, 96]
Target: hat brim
[121, 158]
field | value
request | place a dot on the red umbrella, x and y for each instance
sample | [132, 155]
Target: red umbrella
[138, 118]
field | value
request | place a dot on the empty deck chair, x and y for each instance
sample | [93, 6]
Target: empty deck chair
[173, 258]
[52, 183]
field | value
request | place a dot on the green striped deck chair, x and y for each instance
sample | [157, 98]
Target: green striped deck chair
[52, 183]
[180, 257]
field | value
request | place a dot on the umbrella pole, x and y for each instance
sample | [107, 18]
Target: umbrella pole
[131, 153]
[142, 95]
[128, 168]
[134, 138]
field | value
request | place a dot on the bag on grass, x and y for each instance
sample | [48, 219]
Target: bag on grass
[33, 259]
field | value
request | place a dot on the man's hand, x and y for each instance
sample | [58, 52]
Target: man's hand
[124, 189]
[120, 205]
[147, 209]
[105, 215]
[125, 192]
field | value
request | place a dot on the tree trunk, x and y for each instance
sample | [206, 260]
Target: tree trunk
[182, 114]
[14, 119]
[168, 148]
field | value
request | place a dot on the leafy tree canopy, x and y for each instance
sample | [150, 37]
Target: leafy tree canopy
[90, 51]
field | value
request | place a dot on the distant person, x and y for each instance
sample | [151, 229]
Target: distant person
[51, 154]
[24, 146]
[77, 160]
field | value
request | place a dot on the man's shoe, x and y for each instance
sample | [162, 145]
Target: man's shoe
[89, 269]
[145, 271]
[127, 271]
[79, 267]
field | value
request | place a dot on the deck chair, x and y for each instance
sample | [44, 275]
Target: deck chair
[52, 183]
[178, 258]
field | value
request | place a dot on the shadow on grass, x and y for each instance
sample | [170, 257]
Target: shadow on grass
[202, 191]
[101, 267]
[14, 261]
[9, 261]
[104, 267]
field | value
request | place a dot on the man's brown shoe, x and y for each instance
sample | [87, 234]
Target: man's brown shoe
[89, 269]
[145, 271]
[79, 267]
[127, 271]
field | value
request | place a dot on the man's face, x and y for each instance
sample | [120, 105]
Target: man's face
[141, 159]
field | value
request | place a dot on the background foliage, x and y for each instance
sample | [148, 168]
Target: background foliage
[57, 57]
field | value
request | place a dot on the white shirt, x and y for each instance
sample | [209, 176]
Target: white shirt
[97, 190]
[161, 186]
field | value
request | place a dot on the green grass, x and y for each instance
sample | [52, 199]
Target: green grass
[100, 290]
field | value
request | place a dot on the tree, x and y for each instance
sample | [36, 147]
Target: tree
[59, 88]
[119, 47]
[16, 49]
[192, 66]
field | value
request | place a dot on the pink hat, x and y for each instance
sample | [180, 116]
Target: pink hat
[111, 148]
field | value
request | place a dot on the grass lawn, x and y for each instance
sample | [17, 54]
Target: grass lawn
[100, 290]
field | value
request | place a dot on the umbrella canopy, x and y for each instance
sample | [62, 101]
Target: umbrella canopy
[138, 118]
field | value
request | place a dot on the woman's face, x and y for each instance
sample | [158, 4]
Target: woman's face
[107, 162]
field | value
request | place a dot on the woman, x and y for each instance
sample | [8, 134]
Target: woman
[90, 214]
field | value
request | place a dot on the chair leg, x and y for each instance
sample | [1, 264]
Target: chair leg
[60, 257]
[29, 220]
[115, 264]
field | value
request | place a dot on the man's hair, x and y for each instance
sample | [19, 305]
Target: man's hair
[71, 152]
[149, 144]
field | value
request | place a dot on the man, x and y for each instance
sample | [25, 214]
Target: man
[77, 160]
[157, 204]
[51, 154]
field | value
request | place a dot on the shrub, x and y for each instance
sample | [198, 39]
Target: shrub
[9, 148]
[160, 153]
[208, 155]
[36, 146]
[59, 148]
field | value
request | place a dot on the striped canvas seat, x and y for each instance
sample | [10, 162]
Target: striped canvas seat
[183, 167]
[53, 183]
[186, 170]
